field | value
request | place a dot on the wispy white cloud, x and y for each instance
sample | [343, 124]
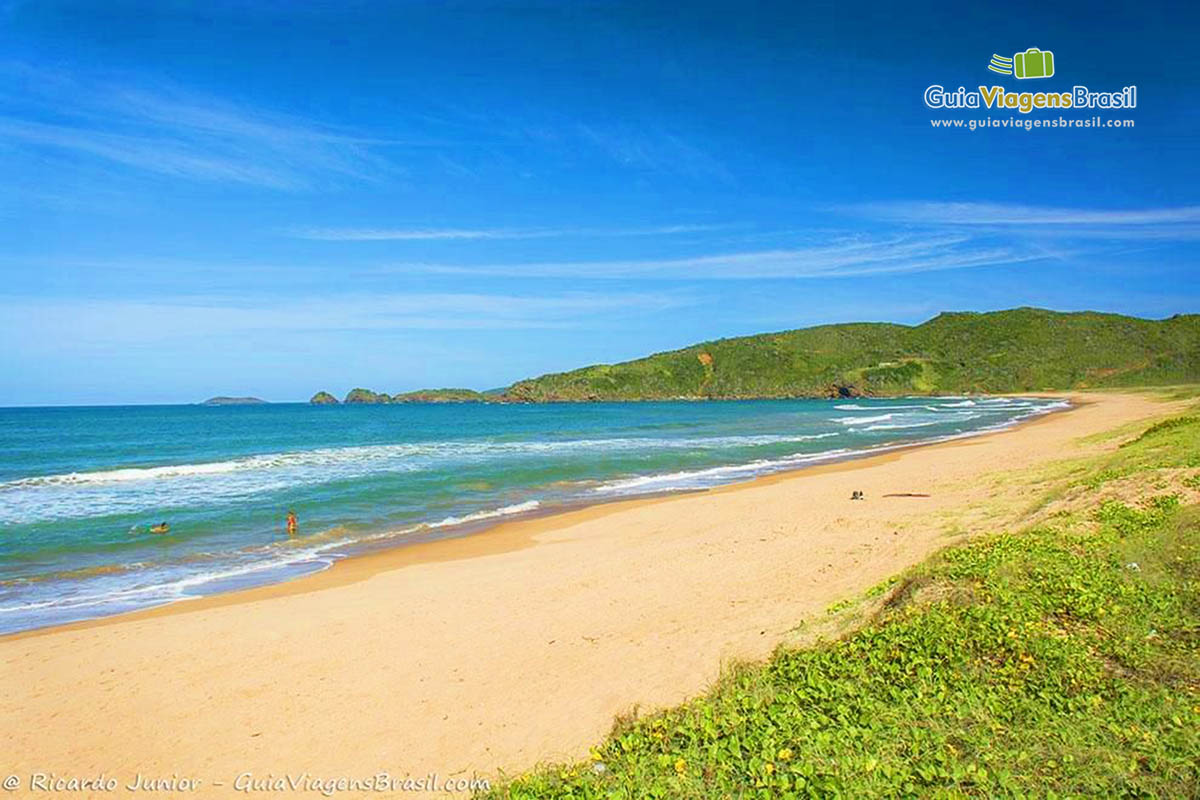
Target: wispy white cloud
[541, 138]
[832, 256]
[163, 129]
[1034, 226]
[938, 213]
[445, 234]
[651, 149]
[186, 318]
[857, 256]
[160, 156]
[170, 132]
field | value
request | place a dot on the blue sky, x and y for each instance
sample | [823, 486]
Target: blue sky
[277, 197]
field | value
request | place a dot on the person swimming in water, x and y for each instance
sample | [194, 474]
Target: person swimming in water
[291, 522]
[161, 527]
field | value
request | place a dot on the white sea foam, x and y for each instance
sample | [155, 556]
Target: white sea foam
[478, 516]
[180, 587]
[136, 490]
[860, 420]
[397, 455]
[712, 476]
[874, 407]
[131, 490]
[898, 426]
[715, 476]
[232, 567]
[325, 458]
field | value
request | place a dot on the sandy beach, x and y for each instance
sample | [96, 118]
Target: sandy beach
[511, 647]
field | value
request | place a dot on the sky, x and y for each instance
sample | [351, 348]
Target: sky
[275, 198]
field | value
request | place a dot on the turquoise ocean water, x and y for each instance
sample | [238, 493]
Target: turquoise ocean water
[80, 487]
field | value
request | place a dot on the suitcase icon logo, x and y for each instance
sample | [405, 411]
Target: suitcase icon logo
[1033, 63]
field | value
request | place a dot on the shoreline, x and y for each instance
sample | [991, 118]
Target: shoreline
[384, 554]
[490, 654]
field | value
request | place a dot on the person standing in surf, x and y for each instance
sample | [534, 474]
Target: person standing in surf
[291, 522]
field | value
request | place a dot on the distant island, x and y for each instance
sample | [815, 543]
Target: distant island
[233, 401]
[1018, 350]
[368, 397]
[440, 396]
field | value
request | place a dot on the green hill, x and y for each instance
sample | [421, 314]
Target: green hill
[440, 396]
[1023, 349]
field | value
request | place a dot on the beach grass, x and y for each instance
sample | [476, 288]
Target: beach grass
[1053, 660]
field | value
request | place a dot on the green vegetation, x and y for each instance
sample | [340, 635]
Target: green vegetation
[366, 396]
[440, 396]
[1061, 660]
[1019, 350]
[323, 399]
[1165, 425]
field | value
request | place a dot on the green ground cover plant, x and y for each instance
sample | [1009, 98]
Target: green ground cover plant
[1060, 660]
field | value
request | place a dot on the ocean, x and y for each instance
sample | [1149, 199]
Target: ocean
[81, 487]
